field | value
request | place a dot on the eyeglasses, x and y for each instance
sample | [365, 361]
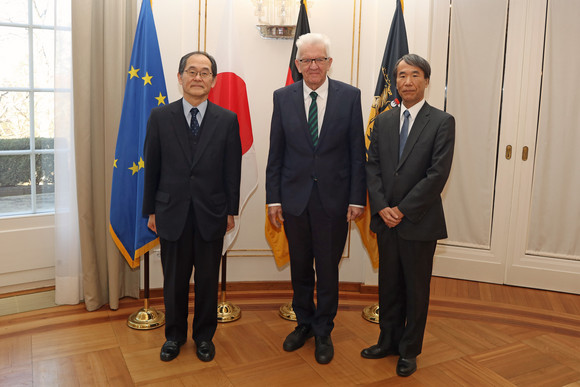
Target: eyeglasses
[318, 61]
[203, 74]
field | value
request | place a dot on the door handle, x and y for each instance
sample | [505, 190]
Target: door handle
[508, 152]
[525, 153]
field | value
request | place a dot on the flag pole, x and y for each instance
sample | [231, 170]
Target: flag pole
[385, 98]
[146, 317]
[226, 311]
[302, 27]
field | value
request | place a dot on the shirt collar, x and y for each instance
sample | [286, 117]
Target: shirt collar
[202, 107]
[322, 91]
[413, 110]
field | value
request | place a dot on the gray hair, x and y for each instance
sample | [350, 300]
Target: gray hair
[414, 60]
[312, 39]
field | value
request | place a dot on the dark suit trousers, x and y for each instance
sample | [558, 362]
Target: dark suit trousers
[178, 258]
[404, 283]
[315, 237]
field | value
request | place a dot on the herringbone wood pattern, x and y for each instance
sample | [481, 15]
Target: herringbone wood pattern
[477, 335]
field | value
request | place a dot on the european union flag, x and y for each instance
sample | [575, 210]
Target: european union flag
[145, 89]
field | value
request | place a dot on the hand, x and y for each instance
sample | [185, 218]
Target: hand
[354, 213]
[151, 223]
[275, 216]
[391, 216]
[231, 223]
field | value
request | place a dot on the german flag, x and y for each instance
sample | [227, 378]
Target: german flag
[277, 238]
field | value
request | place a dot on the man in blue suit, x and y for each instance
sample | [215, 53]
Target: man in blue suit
[409, 160]
[315, 184]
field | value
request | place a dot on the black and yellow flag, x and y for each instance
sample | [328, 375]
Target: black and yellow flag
[385, 98]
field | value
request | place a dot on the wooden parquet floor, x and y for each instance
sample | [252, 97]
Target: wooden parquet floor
[477, 335]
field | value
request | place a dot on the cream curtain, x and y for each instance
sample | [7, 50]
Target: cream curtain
[476, 54]
[68, 270]
[555, 206]
[102, 37]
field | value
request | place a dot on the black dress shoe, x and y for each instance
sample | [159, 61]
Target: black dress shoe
[205, 351]
[297, 338]
[377, 352]
[406, 367]
[324, 349]
[170, 350]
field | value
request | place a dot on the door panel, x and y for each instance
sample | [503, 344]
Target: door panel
[513, 220]
[471, 90]
[546, 234]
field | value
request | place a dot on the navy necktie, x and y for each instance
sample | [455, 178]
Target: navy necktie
[313, 119]
[194, 125]
[404, 133]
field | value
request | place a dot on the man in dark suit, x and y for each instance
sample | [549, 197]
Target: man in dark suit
[409, 159]
[315, 184]
[192, 188]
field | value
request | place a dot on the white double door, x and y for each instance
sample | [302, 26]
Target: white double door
[508, 70]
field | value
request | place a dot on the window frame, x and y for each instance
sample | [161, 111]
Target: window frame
[32, 92]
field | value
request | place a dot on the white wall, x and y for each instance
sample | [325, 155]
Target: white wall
[265, 64]
[27, 253]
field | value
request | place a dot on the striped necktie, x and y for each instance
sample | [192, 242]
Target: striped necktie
[313, 119]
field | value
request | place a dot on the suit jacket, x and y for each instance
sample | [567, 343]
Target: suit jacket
[336, 164]
[175, 177]
[415, 182]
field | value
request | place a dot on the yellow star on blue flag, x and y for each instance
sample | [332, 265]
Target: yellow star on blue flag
[142, 93]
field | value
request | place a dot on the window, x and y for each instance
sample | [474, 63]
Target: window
[27, 36]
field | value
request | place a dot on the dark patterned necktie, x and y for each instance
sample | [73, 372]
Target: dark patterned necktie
[194, 125]
[313, 119]
[404, 133]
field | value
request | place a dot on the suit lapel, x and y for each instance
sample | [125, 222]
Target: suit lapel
[332, 105]
[298, 106]
[393, 135]
[418, 126]
[179, 124]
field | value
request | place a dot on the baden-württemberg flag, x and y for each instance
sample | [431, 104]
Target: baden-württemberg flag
[385, 98]
[145, 89]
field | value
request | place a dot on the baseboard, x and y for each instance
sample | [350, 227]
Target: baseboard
[274, 286]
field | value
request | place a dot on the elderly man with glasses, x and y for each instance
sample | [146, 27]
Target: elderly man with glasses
[315, 184]
[193, 158]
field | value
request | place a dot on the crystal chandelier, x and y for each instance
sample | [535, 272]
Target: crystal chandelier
[276, 18]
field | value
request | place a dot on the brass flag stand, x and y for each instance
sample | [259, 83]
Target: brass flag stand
[287, 312]
[226, 311]
[146, 317]
[371, 313]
